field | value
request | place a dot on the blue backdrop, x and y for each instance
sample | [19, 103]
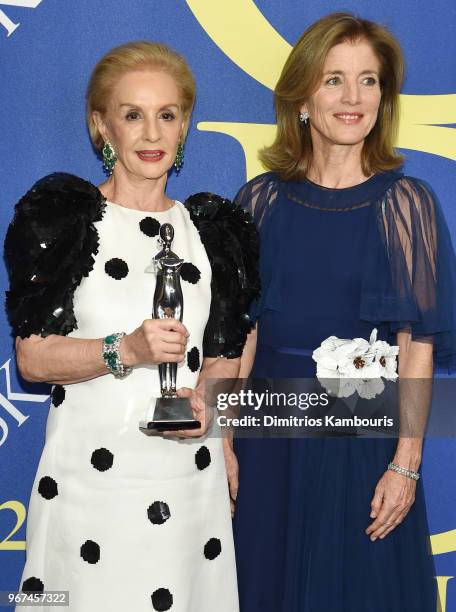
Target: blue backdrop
[236, 49]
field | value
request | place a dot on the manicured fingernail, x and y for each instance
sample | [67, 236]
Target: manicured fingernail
[373, 515]
[373, 538]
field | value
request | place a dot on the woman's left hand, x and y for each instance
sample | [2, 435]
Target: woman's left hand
[232, 471]
[393, 498]
[199, 414]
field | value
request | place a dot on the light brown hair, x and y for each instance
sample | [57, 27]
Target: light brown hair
[290, 156]
[136, 56]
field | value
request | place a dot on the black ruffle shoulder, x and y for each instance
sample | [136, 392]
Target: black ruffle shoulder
[231, 242]
[49, 247]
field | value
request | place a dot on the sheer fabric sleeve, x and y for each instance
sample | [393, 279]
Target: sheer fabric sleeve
[258, 197]
[410, 273]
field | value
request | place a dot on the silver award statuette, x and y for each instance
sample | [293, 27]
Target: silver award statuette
[171, 412]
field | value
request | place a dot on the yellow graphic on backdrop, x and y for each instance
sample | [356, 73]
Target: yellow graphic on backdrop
[19, 510]
[243, 33]
[442, 543]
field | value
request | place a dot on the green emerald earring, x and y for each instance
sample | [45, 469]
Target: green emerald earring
[109, 157]
[179, 161]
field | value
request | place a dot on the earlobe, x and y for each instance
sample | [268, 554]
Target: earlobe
[304, 114]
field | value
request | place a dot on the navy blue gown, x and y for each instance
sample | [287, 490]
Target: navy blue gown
[337, 262]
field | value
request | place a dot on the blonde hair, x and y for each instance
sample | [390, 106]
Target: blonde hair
[290, 156]
[136, 56]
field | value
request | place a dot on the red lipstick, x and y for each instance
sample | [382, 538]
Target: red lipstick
[151, 156]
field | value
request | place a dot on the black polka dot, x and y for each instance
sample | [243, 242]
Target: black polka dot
[117, 268]
[32, 585]
[90, 551]
[202, 458]
[193, 359]
[102, 459]
[190, 273]
[58, 395]
[162, 600]
[47, 487]
[212, 548]
[158, 513]
[149, 226]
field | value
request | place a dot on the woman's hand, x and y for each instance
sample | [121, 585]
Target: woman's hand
[232, 471]
[199, 414]
[393, 498]
[155, 341]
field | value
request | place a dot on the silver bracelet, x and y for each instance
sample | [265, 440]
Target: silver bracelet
[401, 470]
[111, 355]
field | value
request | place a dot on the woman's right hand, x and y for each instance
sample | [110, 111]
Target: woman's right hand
[155, 341]
[232, 471]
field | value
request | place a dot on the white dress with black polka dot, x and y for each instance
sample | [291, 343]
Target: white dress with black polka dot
[121, 520]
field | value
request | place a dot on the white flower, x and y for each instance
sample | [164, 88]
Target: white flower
[386, 357]
[326, 355]
[359, 363]
[332, 343]
[356, 361]
[324, 372]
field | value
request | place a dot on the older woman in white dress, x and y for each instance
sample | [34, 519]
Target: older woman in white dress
[119, 519]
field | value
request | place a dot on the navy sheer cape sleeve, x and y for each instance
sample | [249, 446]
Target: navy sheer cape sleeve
[410, 272]
[258, 197]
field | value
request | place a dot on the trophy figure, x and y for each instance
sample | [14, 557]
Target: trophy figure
[171, 412]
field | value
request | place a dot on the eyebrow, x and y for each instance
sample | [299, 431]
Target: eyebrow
[139, 106]
[342, 72]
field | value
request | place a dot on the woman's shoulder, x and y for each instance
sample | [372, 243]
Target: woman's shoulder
[57, 207]
[226, 231]
[406, 181]
[60, 193]
[411, 193]
[207, 204]
[266, 178]
[222, 213]
[264, 184]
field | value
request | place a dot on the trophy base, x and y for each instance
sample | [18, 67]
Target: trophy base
[170, 414]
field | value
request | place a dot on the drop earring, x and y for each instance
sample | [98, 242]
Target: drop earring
[109, 157]
[179, 161]
[304, 117]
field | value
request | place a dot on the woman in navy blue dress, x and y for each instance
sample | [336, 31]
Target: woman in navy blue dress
[348, 243]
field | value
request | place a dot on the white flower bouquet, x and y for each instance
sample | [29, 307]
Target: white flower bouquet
[346, 366]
